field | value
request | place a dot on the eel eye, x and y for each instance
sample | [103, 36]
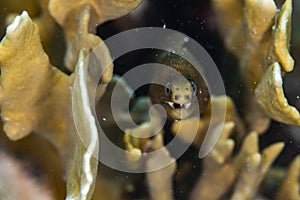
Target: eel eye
[167, 89]
[194, 87]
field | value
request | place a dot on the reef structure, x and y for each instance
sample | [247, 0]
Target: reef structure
[36, 98]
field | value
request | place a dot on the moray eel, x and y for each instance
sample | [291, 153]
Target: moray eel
[179, 94]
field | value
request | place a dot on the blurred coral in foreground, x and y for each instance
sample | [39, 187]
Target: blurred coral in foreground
[15, 184]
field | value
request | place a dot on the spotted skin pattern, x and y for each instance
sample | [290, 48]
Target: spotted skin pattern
[180, 93]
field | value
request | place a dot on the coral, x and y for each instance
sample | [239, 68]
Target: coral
[262, 42]
[80, 37]
[81, 17]
[270, 90]
[50, 32]
[105, 10]
[12, 176]
[82, 170]
[263, 50]
[8, 7]
[31, 86]
[44, 106]
[161, 188]
[289, 189]
[25, 113]
[24, 102]
[243, 172]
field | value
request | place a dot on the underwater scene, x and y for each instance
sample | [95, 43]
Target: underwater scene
[149, 100]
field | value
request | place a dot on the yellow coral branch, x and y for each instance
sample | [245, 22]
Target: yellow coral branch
[244, 172]
[279, 50]
[105, 9]
[289, 189]
[82, 171]
[270, 95]
[29, 85]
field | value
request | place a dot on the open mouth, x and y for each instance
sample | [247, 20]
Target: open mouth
[179, 105]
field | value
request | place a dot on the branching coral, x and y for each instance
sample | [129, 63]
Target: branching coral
[15, 7]
[257, 46]
[22, 56]
[262, 46]
[270, 90]
[161, 188]
[262, 41]
[70, 14]
[25, 113]
[244, 172]
[83, 168]
[105, 10]
[289, 189]
[36, 97]
[270, 95]
[50, 33]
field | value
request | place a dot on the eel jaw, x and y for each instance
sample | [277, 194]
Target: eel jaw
[179, 105]
[178, 111]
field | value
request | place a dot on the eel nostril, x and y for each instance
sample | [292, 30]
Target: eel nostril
[176, 97]
[187, 97]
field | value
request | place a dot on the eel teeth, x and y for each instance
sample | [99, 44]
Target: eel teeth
[179, 105]
[187, 105]
[171, 104]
